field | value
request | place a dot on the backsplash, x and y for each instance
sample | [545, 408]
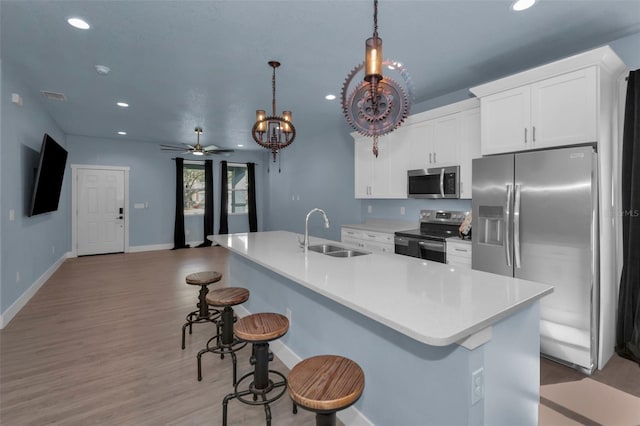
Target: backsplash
[392, 209]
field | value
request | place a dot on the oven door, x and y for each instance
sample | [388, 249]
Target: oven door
[433, 250]
[421, 248]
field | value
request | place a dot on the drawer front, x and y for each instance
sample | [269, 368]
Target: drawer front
[354, 242]
[459, 249]
[379, 237]
[459, 261]
[352, 233]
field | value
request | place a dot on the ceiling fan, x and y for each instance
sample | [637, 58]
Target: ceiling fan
[197, 149]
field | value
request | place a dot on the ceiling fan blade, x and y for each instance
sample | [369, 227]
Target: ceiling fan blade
[210, 148]
[174, 146]
[174, 149]
[220, 151]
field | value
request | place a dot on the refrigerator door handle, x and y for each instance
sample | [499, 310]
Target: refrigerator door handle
[516, 226]
[507, 220]
[442, 182]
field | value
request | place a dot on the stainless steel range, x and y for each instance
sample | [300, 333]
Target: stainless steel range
[429, 241]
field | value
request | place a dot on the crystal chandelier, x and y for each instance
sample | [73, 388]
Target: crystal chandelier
[273, 132]
[378, 105]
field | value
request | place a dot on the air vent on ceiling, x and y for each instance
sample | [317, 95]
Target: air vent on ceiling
[53, 95]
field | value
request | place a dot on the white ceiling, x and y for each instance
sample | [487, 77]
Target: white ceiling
[182, 64]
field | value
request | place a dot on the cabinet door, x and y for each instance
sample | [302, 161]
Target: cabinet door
[397, 148]
[363, 167]
[563, 109]
[469, 148]
[445, 141]
[419, 137]
[505, 120]
[380, 168]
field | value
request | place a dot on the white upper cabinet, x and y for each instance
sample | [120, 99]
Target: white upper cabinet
[555, 111]
[379, 177]
[506, 118]
[564, 109]
[469, 147]
[441, 137]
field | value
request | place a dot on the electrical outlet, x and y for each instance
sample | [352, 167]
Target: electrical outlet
[288, 315]
[53, 249]
[18, 276]
[477, 386]
[402, 211]
[12, 215]
[369, 208]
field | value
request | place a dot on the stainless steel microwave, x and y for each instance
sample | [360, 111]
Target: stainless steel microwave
[438, 182]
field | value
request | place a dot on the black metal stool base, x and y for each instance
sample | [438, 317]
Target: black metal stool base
[258, 396]
[323, 418]
[225, 341]
[221, 349]
[201, 315]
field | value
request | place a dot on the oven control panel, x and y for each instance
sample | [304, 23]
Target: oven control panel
[441, 216]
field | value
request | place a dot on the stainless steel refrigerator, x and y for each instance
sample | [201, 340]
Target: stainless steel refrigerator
[535, 216]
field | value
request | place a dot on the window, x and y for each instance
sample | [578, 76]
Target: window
[237, 186]
[193, 177]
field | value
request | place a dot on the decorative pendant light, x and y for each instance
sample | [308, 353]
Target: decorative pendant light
[273, 132]
[377, 105]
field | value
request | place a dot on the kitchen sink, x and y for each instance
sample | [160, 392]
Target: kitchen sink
[336, 251]
[325, 248]
[346, 253]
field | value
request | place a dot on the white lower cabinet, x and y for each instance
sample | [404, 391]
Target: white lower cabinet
[378, 242]
[459, 253]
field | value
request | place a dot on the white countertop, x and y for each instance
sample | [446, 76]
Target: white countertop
[383, 225]
[433, 303]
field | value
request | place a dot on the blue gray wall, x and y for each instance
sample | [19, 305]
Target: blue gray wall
[30, 245]
[152, 180]
[317, 171]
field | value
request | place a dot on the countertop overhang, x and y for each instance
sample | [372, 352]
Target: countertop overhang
[433, 303]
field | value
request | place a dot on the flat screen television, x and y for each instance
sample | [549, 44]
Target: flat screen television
[49, 175]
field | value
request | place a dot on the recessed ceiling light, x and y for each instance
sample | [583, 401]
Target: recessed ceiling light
[123, 104]
[240, 145]
[520, 5]
[102, 69]
[122, 133]
[330, 97]
[78, 23]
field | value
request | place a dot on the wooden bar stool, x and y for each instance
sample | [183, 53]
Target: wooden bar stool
[202, 314]
[225, 342]
[325, 384]
[259, 330]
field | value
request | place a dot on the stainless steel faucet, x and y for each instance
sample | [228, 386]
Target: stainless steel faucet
[305, 242]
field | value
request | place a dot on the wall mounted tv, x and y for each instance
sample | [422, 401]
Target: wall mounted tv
[48, 182]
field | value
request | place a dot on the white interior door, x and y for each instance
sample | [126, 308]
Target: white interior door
[100, 211]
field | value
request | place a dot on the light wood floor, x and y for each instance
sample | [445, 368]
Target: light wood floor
[100, 344]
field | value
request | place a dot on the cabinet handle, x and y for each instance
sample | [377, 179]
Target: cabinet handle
[434, 158]
[371, 236]
[462, 250]
[534, 133]
[429, 158]
[525, 135]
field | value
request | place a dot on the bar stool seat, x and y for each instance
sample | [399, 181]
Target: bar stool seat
[259, 329]
[225, 342]
[202, 313]
[325, 384]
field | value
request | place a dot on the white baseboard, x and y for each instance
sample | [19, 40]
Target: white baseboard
[151, 247]
[12, 311]
[350, 416]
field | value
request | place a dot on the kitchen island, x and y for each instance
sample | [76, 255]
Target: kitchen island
[419, 329]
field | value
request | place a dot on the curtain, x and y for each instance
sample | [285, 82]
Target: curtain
[224, 193]
[178, 229]
[208, 202]
[628, 326]
[251, 197]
